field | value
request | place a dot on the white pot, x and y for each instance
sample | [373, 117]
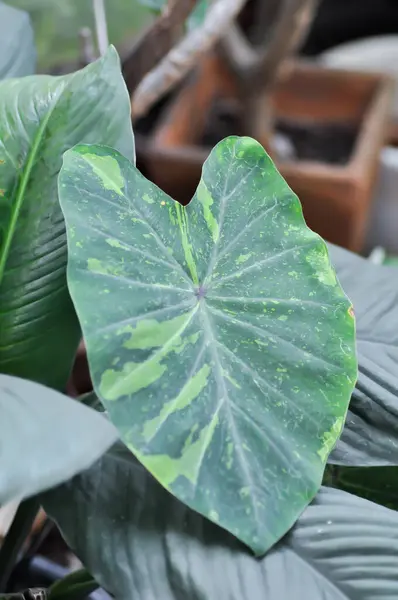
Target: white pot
[383, 221]
[376, 54]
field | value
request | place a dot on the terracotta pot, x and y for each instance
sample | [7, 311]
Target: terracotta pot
[335, 197]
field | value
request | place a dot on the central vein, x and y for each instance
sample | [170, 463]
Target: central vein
[187, 248]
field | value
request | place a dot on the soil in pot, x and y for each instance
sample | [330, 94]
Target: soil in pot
[330, 143]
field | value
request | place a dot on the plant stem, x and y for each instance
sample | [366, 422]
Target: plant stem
[15, 538]
[101, 26]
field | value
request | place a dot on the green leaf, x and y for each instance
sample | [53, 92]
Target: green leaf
[17, 48]
[370, 435]
[30, 594]
[76, 586]
[378, 484]
[196, 18]
[155, 5]
[46, 438]
[221, 343]
[40, 118]
[198, 14]
[342, 547]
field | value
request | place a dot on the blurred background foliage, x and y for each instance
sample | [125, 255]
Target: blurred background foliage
[57, 24]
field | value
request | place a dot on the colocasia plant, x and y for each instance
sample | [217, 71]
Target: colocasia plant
[223, 349]
[224, 355]
[215, 327]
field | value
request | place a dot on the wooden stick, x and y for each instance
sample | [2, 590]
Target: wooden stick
[156, 42]
[265, 14]
[101, 26]
[290, 30]
[258, 66]
[183, 57]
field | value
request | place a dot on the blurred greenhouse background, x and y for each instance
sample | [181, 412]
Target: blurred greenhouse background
[57, 24]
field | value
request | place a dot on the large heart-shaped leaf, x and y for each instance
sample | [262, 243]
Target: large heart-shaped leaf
[46, 438]
[370, 435]
[221, 343]
[17, 49]
[140, 542]
[40, 118]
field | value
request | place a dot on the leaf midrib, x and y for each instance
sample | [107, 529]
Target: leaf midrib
[214, 258]
[209, 335]
[20, 194]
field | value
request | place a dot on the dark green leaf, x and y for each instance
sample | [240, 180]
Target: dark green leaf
[140, 542]
[370, 435]
[378, 484]
[76, 586]
[91, 399]
[221, 343]
[45, 438]
[13, 543]
[30, 594]
[17, 49]
[40, 118]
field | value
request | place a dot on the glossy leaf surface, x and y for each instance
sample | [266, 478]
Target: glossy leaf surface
[40, 118]
[140, 542]
[370, 435]
[17, 48]
[221, 342]
[46, 438]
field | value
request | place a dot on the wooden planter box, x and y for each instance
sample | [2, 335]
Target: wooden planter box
[335, 198]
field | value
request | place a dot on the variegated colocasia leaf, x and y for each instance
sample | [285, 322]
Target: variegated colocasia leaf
[40, 118]
[218, 336]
